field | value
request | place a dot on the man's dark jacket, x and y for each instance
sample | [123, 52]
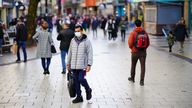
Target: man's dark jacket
[21, 33]
[65, 37]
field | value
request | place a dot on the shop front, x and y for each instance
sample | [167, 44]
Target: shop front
[161, 15]
[156, 14]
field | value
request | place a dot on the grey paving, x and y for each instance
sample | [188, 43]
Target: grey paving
[168, 82]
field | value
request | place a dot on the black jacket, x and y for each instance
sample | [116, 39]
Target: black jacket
[21, 33]
[180, 32]
[65, 37]
[103, 23]
[1, 32]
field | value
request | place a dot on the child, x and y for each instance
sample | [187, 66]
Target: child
[170, 39]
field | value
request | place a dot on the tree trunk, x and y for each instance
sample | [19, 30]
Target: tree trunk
[31, 19]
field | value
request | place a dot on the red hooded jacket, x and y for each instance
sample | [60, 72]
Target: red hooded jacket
[132, 37]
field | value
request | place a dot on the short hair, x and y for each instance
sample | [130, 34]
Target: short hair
[79, 26]
[171, 32]
[138, 23]
[67, 23]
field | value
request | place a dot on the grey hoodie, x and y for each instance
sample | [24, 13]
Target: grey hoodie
[80, 53]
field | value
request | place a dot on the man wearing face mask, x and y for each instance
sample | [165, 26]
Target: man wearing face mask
[80, 59]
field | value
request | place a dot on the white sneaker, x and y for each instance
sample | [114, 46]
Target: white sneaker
[1, 55]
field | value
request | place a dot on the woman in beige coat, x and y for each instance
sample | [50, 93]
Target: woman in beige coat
[44, 46]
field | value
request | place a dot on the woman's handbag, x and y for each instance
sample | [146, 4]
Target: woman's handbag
[71, 85]
[53, 49]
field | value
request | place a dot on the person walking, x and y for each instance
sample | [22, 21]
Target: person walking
[94, 26]
[1, 39]
[180, 33]
[65, 37]
[138, 43]
[21, 38]
[111, 27]
[103, 24]
[80, 59]
[44, 46]
[123, 28]
[170, 40]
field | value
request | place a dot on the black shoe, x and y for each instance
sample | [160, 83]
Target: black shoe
[25, 61]
[63, 72]
[47, 72]
[131, 79]
[141, 83]
[78, 99]
[89, 94]
[18, 61]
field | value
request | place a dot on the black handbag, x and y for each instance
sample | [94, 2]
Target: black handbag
[53, 49]
[71, 85]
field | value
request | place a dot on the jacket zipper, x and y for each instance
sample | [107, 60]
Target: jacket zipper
[76, 55]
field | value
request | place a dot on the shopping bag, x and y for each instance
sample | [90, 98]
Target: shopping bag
[71, 85]
[14, 48]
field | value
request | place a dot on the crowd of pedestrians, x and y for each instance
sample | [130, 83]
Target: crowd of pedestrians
[75, 45]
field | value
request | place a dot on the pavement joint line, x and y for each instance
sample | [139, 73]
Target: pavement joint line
[31, 59]
[175, 54]
[183, 57]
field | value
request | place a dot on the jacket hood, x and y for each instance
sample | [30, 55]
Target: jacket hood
[138, 29]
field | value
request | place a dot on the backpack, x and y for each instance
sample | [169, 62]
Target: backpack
[141, 40]
[110, 26]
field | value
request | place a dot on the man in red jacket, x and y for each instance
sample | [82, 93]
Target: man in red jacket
[138, 43]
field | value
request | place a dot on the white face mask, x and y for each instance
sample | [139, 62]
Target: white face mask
[78, 34]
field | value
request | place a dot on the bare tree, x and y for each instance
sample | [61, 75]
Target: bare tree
[31, 18]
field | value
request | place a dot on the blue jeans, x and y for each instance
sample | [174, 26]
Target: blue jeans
[1, 43]
[23, 45]
[46, 63]
[79, 77]
[63, 56]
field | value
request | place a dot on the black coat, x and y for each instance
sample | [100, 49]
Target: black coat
[103, 23]
[65, 37]
[21, 32]
[1, 32]
[180, 32]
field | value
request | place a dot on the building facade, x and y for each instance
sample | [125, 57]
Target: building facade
[7, 11]
[141, 12]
